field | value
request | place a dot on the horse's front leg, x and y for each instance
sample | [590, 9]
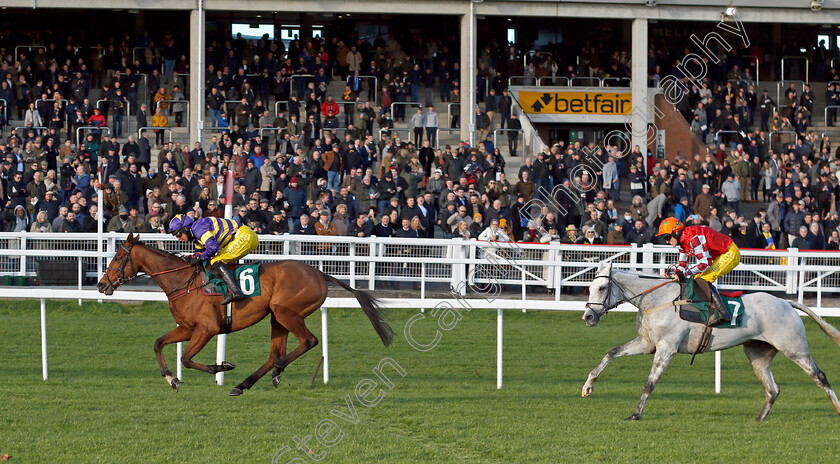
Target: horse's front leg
[176, 335]
[663, 356]
[636, 346]
[198, 340]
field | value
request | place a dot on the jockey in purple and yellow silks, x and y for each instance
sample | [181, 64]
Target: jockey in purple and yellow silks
[220, 241]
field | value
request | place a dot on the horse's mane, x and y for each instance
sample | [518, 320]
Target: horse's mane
[159, 252]
[641, 275]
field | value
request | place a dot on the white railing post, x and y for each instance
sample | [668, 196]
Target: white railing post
[23, 257]
[372, 267]
[558, 275]
[791, 275]
[81, 278]
[647, 257]
[499, 351]
[44, 337]
[325, 344]
[352, 265]
[717, 371]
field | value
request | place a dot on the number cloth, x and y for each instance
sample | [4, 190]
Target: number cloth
[247, 277]
[735, 304]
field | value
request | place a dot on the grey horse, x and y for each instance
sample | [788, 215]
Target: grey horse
[770, 325]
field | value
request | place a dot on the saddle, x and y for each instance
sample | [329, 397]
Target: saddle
[707, 306]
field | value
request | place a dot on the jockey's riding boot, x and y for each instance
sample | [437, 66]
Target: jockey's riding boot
[233, 293]
[719, 312]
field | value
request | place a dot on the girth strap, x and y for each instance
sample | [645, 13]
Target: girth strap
[671, 304]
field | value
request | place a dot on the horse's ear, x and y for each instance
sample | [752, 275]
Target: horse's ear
[609, 267]
[600, 266]
[130, 238]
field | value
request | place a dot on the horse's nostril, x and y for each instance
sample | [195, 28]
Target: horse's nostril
[588, 317]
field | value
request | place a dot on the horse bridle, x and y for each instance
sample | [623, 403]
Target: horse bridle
[121, 277]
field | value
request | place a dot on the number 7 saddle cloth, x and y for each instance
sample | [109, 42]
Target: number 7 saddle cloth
[699, 309]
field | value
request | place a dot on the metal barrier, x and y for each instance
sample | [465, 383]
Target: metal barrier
[776, 149]
[91, 128]
[807, 62]
[41, 128]
[292, 82]
[127, 106]
[140, 131]
[397, 130]
[757, 70]
[275, 129]
[825, 115]
[596, 80]
[406, 104]
[779, 87]
[276, 106]
[615, 79]
[375, 87]
[564, 80]
[134, 54]
[146, 92]
[496, 134]
[524, 79]
[28, 47]
[717, 134]
[449, 113]
[157, 106]
[739, 81]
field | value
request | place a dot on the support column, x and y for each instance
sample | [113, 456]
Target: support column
[197, 70]
[639, 84]
[468, 45]
[305, 29]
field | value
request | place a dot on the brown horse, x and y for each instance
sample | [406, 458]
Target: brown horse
[290, 291]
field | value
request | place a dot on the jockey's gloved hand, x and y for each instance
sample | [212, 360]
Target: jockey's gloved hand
[195, 259]
[680, 275]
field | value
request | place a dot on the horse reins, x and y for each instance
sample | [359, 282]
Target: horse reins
[608, 308]
[122, 279]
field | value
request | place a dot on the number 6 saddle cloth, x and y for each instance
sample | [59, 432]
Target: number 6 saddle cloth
[247, 276]
[698, 310]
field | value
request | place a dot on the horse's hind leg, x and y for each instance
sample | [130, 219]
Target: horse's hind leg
[178, 334]
[636, 346]
[296, 325]
[663, 356]
[761, 356]
[279, 336]
[804, 360]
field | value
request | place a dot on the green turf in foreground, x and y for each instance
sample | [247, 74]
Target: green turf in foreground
[106, 402]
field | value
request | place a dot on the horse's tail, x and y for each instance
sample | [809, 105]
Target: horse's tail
[825, 326]
[370, 305]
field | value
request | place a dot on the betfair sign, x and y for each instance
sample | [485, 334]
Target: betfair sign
[576, 103]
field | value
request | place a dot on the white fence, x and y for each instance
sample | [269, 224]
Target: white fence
[452, 264]
[447, 263]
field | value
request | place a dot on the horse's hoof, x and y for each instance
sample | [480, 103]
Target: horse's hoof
[227, 366]
[633, 417]
[586, 392]
[235, 392]
[176, 384]
[276, 380]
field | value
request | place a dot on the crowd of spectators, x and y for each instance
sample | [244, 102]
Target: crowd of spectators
[328, 171]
